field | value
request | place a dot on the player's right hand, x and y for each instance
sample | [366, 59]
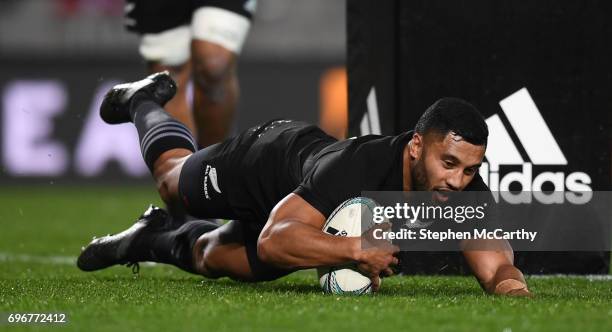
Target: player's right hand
[512, 287]
[377, 262]
[377, 257]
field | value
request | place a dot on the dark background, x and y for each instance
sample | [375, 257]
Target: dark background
[484, 51]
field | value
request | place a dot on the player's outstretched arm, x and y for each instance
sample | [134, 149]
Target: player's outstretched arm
[492, 262]
[293, 238]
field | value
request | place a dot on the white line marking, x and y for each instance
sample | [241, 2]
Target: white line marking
[589, 277]
[71, 260]
[58, 260]
[40, 259]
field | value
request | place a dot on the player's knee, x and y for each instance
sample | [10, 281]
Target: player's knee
[207, 261]
[167, 186]
[167, 172]
[164, 192]
[213, 69]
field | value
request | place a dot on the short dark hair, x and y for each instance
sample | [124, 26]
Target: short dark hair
[454, 115]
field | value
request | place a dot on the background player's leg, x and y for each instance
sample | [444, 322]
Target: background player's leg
[218, 34]
[179, 107]
[170, 50]
[215, 92]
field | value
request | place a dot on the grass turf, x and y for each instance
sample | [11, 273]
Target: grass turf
[42, 228]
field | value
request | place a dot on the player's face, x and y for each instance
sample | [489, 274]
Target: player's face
[444, 163]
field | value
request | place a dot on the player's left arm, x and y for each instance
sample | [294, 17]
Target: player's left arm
[492, 262]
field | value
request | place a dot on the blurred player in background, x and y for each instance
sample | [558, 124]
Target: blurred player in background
[199, 39]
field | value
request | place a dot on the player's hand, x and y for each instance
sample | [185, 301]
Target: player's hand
[512, 287]
[376, 262]
[376, 256]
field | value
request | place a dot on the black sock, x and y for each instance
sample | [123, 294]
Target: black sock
[173, 247]
[157, 130]
[178, 214]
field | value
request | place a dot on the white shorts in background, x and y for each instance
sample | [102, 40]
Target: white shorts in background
[219, 26]
[170, 48]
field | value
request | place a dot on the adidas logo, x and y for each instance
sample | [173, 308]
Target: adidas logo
[541, 148]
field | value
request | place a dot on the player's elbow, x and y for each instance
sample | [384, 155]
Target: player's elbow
[267, 250]
[264, 250]
[270, 248]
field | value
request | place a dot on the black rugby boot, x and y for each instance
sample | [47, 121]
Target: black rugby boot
[118, 248]
[115, 108]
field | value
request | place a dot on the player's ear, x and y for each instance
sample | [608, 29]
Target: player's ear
[416, 146]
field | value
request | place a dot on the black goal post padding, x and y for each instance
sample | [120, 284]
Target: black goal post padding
[551, 59]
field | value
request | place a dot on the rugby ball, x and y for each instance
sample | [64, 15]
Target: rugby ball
[346, 220]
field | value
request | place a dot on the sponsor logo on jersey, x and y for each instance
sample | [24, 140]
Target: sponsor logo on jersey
[541, 149]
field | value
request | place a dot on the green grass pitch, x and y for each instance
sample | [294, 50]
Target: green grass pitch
[42, 230]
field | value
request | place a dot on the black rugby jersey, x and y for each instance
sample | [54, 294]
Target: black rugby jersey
[256, 169]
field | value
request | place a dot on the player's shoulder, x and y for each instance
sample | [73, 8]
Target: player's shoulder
[371, 155]
[368, 146]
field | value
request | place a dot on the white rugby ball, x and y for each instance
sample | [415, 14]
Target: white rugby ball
[346, 220]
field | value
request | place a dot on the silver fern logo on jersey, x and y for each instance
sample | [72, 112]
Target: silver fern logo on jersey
[210, 173]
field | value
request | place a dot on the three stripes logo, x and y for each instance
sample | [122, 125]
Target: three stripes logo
[370, 123]
[541, 149]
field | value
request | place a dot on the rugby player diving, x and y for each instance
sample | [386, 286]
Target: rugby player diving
[278, 182]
